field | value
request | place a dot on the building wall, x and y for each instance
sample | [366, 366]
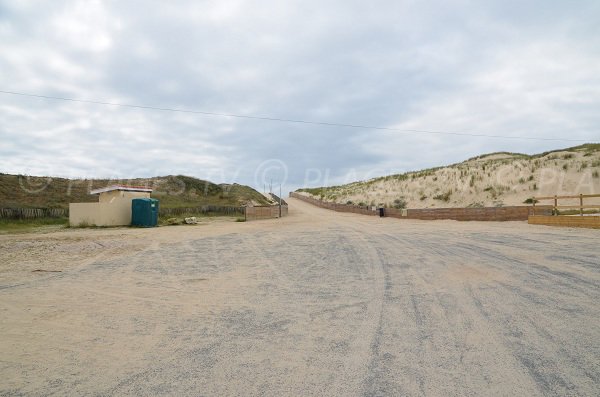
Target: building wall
[112, 209]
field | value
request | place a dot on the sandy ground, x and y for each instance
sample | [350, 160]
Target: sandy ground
[318, 303]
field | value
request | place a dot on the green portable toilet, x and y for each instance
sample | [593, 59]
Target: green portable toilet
[144, 212]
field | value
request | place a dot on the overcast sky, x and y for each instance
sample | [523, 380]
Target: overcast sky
[510, 68]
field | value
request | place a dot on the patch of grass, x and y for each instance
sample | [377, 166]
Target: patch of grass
[83, 225]
[595, 174]
[510, 154]
[444, 196]
[576, 212]
[530, 200]
[475, 205]
[29, 225]
[400, 203]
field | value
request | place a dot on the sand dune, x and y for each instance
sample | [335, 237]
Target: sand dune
[498, 179]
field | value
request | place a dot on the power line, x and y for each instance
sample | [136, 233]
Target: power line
[284, 120]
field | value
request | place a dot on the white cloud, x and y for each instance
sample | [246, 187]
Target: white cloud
[482, 67]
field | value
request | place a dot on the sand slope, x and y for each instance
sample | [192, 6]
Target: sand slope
[492, 180]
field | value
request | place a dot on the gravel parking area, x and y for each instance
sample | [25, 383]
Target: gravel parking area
[317, 303]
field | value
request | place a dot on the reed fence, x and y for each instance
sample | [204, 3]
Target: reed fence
[33, 213]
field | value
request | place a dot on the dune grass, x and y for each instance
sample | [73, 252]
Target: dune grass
[31, 225]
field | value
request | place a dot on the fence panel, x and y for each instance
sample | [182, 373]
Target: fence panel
[33, 213]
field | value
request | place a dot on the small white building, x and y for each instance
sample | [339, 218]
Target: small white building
[112, 209]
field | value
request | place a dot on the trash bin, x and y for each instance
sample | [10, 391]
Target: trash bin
[144, 212]
[381, 212]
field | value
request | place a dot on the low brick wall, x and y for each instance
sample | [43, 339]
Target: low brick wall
[265, 212]
[512, 213]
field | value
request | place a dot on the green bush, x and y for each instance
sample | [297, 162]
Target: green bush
[444, 196]
[400, 203]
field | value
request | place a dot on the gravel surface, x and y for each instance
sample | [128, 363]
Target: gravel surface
[318, 303]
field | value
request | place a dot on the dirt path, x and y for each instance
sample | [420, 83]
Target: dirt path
[318, 303]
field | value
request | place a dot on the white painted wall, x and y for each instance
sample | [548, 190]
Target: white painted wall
[113, 209]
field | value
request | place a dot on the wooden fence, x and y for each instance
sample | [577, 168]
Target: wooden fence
[566, 220]
[512, 213]
[33, 213]
[556, 208]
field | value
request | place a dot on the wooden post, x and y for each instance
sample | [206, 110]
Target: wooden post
[533, 201]
[555, 210]
[581, 204]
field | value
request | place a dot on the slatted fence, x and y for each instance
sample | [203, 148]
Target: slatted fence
[33, 213]
[574, 203]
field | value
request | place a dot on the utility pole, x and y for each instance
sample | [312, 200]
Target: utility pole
[280, 200]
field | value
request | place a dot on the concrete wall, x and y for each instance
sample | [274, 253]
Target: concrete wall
[113, 209]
